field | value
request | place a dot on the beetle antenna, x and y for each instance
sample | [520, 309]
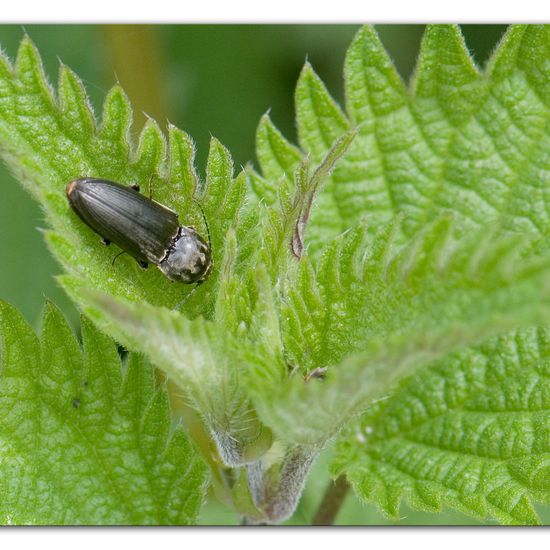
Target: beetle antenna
[188, 295]
[114, 259]
[205, 222]
[150, 186]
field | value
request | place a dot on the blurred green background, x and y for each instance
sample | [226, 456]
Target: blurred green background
[210, 80]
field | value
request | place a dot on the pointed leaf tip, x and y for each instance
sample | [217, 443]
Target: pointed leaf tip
[319, 119]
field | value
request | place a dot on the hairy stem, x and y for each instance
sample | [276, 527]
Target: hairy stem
[277, 494]
[334, 497]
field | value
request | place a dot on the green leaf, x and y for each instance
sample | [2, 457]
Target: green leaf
[320, 123]
[411, 225]
[447, 77]
[50, 140]
[373, 312]
[376, 101]
[223, 200]
[459, 140]
[83, 441]
[494, 163]
[320, 120]
[200, 357]
[278, 160]
[471, 432]
[286, 221]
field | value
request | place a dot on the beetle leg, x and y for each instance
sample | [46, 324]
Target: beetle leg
[188, 295]
[135, 187]
[143, 264]
[114, 259]
[292, 370]
[105, 241]
[320, 373]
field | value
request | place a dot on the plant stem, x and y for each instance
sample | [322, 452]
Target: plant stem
[332, 502]
[277, 495]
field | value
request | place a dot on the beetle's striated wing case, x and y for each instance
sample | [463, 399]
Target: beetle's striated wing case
[141, 227]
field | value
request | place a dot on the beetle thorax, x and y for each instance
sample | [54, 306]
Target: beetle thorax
[188, 259]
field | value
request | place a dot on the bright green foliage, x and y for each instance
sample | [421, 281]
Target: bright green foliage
[278, 159]
[477, 145]
[405, 229]
[285, 223]
[460, 140]
[474, 144]
[470, 432]
[49, 139]
[372, 316]
[83, 441]
[199, 357]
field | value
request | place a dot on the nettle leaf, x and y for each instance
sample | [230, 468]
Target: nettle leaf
[201, 358]
[83, 440]
[366, 286]
[460, 140]
[50, 137]
[51, 140]
[408, 226]
[371, 313]
[284, 225]
[278, 160]
[496, 165]
[471, 432]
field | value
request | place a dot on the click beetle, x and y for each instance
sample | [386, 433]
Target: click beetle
[147, 230]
